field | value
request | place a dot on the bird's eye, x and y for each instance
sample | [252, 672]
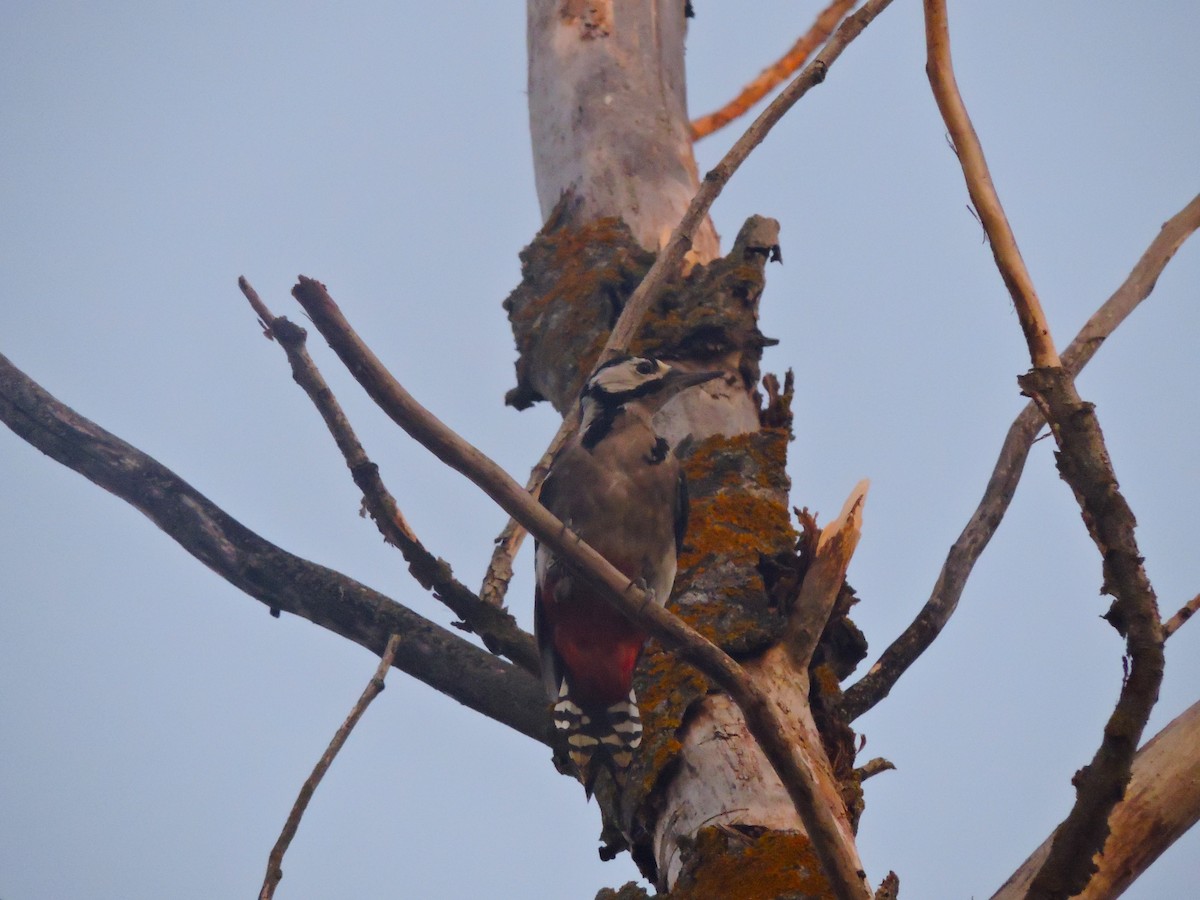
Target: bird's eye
[647, 367]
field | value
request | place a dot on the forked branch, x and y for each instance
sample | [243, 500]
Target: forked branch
[1084, 464]
[1002, 485]
[493, 624]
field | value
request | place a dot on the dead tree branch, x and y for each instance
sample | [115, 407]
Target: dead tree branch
[983, 193]
[1002, 485]
[824, 579]
[1161, 803]
[1186, 611]
[283, 582]
[1084, 464]
[373, 689]
[761, 712]
[771, 77]
[498, 629]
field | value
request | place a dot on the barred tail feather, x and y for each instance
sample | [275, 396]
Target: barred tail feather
[599, 739]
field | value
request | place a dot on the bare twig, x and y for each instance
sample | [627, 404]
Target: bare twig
[1002, 485]
[982, 191]
[494, 587]
[1185, 612]
[873, 767]
[671, 256]
[372, 690]
[1084, 464]
[281, 581]
[493, 624]
[772, 76]
[761, 713]
[500, 568]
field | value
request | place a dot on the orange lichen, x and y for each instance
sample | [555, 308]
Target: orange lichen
[723, 862]
[739, 516]
[575, 278]
[666, 689]
[628, 891]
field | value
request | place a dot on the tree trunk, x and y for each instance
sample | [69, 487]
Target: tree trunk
[608, 114]
[703, 809]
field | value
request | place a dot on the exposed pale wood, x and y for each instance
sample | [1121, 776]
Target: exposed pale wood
[608, 115]
[824, 579]
[1185, 612]
[732, 783]
[1161, 803]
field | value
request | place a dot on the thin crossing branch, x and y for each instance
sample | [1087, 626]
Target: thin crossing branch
[498, 629]
[771, 77]
[372, 690]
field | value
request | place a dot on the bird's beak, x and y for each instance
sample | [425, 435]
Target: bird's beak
[677, 380]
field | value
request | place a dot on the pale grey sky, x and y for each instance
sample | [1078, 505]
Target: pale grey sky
[155, 724]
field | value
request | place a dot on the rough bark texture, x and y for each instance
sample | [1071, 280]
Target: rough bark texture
[1084, 464]
[608, 114]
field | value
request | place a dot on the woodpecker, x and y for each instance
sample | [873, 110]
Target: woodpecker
[617, 485]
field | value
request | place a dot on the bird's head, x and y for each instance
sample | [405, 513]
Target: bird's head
[641, 379]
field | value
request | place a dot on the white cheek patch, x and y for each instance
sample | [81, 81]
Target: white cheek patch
[625, 376]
